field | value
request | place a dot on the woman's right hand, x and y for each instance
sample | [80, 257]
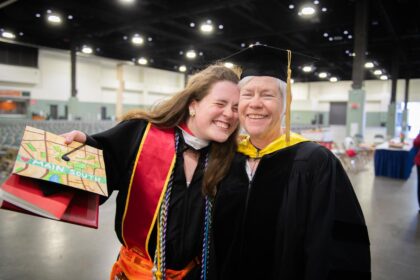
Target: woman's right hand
[74, 135]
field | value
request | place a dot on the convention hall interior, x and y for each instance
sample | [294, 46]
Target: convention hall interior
[81, 65]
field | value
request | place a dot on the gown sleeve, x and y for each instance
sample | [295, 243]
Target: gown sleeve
[336, 238]
[119, 145]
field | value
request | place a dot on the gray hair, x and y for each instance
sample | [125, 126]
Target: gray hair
[281, 85]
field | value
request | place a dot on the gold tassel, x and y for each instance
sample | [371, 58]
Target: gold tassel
[288, 94]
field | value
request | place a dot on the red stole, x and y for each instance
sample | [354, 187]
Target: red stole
[151, 173]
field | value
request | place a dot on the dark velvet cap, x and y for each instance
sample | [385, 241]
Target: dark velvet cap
[261, 60]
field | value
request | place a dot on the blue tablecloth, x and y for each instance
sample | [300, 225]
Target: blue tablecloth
[394, 163]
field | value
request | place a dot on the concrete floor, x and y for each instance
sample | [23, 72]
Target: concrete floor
[35, 248]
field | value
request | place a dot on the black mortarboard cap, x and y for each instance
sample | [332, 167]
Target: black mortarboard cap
[261, 60]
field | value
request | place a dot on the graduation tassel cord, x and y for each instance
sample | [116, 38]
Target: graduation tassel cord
[205, 253]
[288, 94]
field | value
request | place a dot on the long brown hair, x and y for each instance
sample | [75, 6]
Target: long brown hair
[174, 111]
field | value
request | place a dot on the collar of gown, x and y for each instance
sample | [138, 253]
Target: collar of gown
[192, 141]
[245, 146]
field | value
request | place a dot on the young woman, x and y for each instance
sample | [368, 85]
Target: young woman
[162, 162]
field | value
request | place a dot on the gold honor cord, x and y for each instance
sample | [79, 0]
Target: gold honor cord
[288, 94]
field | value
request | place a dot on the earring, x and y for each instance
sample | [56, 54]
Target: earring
[192, 113]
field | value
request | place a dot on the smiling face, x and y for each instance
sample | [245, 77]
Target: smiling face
[260, 109]
[216, 115]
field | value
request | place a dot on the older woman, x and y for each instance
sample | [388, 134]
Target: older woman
[286, 209]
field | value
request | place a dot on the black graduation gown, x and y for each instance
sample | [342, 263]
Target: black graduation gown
[298, 218]
[186, 208]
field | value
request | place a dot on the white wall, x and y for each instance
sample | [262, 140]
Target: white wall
[96, 79]
[97, 82]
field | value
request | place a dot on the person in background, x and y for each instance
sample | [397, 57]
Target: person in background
[286, 209]
[162, 162]
[416, 144]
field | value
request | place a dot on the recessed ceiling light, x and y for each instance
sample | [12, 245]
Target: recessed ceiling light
[48, 11]
[324, 9]
[127, 1]
[70, 17]
[352, 54]
[325, 34]
[291, 6]
[208, 21]
[55, 19]
[200, 53]
[87, 49]
[369, 65]
[8, 35]
[137, 39]
[221, 26]
[316, 2]
[377, 72]
[38, 15]
[229, 64]
[206, 28]
[349, 36]
[307, 68]
[182, 68]
[331, 39]
[142, 61]
[333, 79]
[345, 32]
[20, 33]
[191, 54]
[384, 77]
[150, 39]
[125, 37]
[192, 24]
[347, 51]
[308, 10]
[322, 75]
[243, 45]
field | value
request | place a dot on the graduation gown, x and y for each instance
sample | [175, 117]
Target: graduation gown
[186, 208]
[298, 218]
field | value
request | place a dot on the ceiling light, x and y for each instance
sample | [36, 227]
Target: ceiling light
[142, 61]
[316, 2]
[349, 36]
[127, 1]
[55, 19]
[229, 64]
[352, 54]
[8, 35]
[384, 77]
[291, 6]
[125, 37]
[137, 39]
[347, 51]
[377, 72]
[369, 65]
[333, 79]
[182, 68]
[150, 39]
[87, 50]
[38, 15]
[307, 68]
[192, 24]
[331, 39]
[307, 10]
[324, 9]
[208, 21]
[221, 26]
[191, 54]
[243, 45]
[345, 32]
[70, 17]
[48, 11]
[200, 53]
[325, 34]
[206, 28]
[322, 75]
[20, 33]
